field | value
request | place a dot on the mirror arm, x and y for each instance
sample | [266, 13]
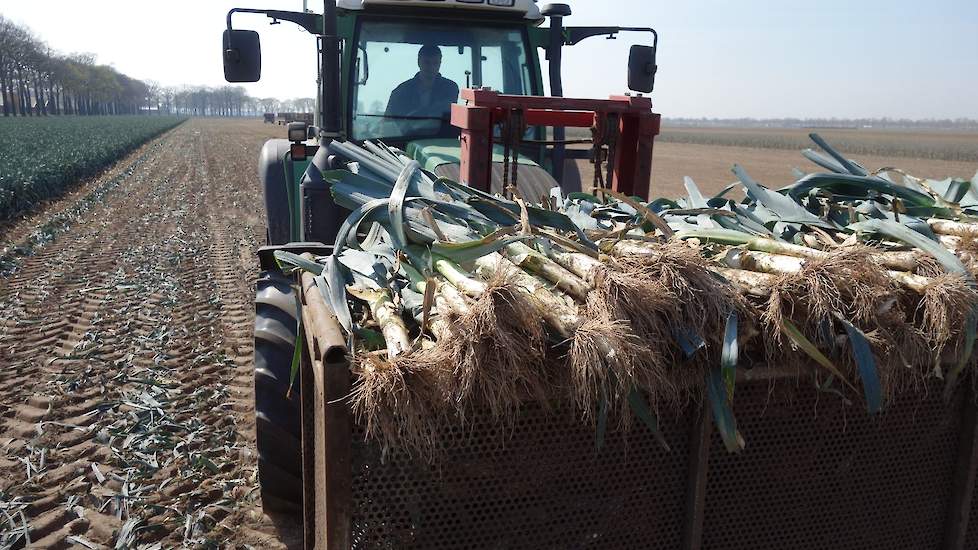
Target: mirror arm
[311, 22]
[573, 35]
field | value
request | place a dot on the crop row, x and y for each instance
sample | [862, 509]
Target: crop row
[42, 157]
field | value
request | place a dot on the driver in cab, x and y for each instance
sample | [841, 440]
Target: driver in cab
[427, 97]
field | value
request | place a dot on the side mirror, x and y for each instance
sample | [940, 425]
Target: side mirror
[641, 69]
[242, 56]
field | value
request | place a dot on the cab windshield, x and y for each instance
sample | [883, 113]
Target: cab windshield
[407, 75]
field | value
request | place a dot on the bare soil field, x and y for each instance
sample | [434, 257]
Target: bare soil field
[708, 154]
[709, 166]
[126, 411]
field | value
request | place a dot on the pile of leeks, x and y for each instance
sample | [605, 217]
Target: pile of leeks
[459, 304]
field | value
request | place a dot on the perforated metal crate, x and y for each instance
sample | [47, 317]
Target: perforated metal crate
[542, 485]
[816, 473]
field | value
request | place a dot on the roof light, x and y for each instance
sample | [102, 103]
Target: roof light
[528, 8]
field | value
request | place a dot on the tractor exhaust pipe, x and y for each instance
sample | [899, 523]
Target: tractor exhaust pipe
[556, 13]
[331, 75]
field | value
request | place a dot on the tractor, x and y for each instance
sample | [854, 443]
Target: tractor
[372, 55]
[457, 85]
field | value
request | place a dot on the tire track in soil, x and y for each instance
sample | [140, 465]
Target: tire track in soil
[234, 234]
[126, 390]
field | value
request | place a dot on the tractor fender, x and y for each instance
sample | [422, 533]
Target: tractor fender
[271, 171]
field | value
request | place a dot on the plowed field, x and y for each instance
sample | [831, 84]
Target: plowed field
[126, 412]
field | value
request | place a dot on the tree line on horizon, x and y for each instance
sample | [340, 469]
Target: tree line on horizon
[37, 80]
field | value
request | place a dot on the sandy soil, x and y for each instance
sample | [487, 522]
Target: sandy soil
[126, 393]
[709, 166]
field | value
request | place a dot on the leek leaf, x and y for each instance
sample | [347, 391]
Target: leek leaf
[849, 166]
[804, 344]
[785, 208]
[723, 416]
[716, 235]
[642, 410]
[300, 340]
[729, 354]
[283, 257]
[395, 207]
[858, 186]
[336, 292]
[346, 236]
[904, 234]
[688, 341]
[823, 161]
[473, 250]
[866, 362]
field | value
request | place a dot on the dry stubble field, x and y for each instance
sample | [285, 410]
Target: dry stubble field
[126, 387]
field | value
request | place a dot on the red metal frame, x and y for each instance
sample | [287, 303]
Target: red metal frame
[637, 128]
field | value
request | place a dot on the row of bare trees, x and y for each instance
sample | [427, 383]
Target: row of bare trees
[36, 80]
[223, 101]
[297, 105]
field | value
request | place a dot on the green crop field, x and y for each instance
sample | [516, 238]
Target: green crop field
[41, 157]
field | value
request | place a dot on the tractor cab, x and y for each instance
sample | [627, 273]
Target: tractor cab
[398, 71]
[406, 72]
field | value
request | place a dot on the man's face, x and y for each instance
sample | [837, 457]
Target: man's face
[429, 65]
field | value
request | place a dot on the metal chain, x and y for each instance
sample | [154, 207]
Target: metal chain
[597, 152]
[517, 137]
[506, 138]
[613, 131]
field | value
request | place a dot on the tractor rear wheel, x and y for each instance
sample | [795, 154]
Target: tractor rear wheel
[277, 414]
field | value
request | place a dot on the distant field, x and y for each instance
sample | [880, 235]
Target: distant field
[708, 154]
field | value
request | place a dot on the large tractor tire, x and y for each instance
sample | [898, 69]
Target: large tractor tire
[277, 414]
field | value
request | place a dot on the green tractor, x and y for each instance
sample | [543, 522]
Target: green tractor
[390, 70]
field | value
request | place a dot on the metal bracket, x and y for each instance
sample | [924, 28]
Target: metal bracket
[573, 35]
[963, 488]
[699, 465]
[311, 22]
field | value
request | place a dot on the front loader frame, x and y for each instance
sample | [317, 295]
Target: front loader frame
[326, 426]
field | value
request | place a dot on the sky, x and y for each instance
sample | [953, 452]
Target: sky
[717, 59]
